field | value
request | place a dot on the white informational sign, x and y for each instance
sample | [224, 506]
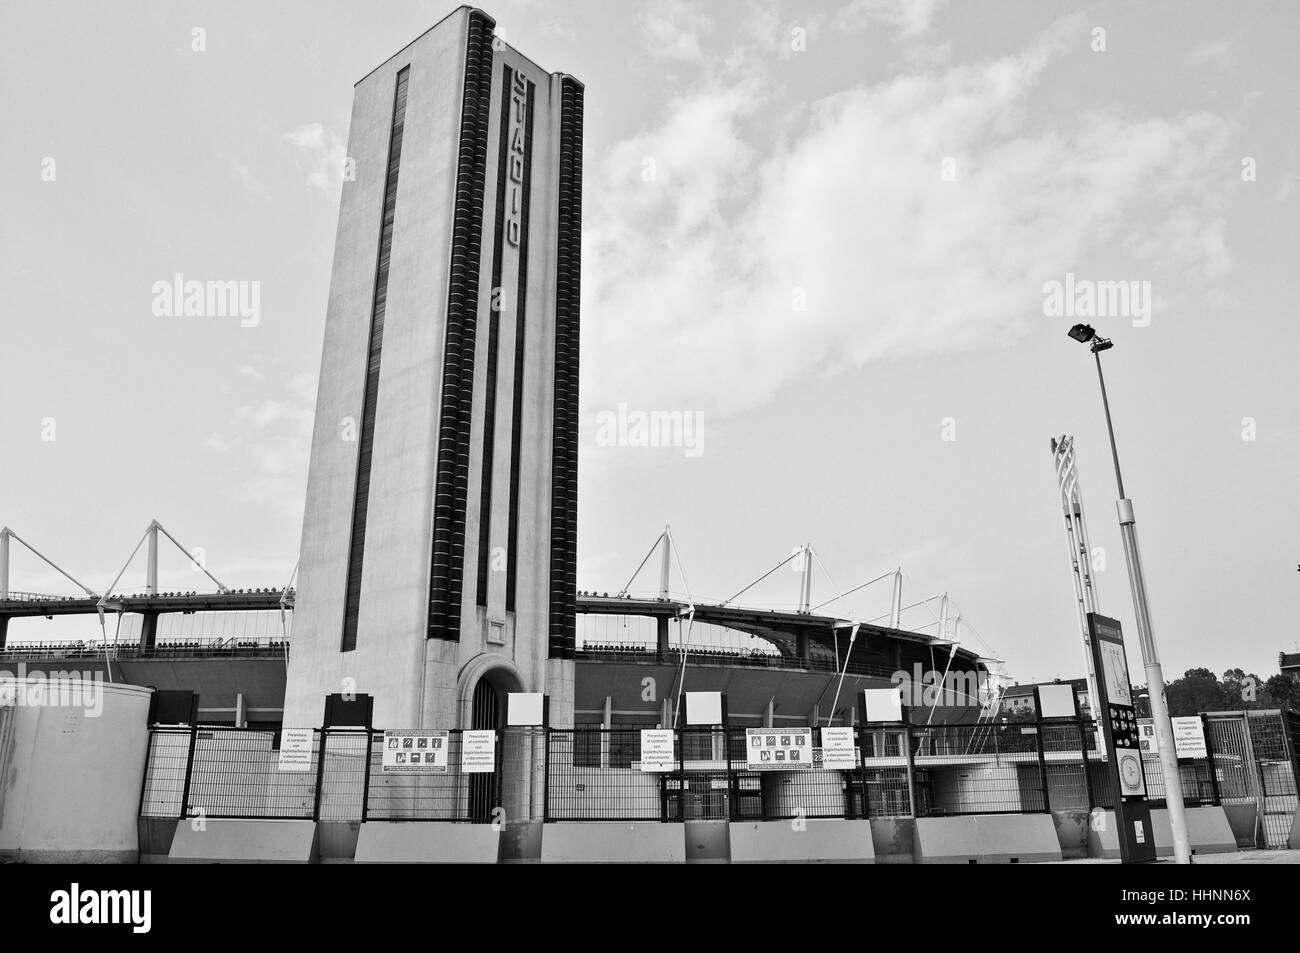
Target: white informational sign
[1118, 691]
[295, 749]
[704, 708]
[883, 704]
[1057, 701]
[1147, 735]
[524, 709]
[478, 751]
[415, 751]
[1189, 737]
[838, 752]
[778, 749]
[657, 749]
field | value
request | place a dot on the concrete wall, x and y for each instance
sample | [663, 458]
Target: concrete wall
[70, 779]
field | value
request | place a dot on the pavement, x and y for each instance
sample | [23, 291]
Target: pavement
[1235, 857]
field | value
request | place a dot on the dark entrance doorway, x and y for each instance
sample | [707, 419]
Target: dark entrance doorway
[485, 713]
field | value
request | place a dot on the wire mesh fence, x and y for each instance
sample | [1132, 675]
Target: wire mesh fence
[603, 773]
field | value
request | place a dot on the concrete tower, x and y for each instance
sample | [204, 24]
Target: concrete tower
[438, 547]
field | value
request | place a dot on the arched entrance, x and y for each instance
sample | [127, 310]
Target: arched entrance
[486, 711]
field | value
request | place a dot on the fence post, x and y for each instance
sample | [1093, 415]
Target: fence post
[733, 785]
[1209, 756]
[144, 781]
[320, 772]
[1042, 765]
[861, 773]
[189, 770]
[365, 777]
[911, 768]
[546, 775]
[1083, 753]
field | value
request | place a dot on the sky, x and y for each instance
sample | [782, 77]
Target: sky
[822, 232]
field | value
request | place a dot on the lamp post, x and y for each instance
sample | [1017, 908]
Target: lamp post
[1146, 637]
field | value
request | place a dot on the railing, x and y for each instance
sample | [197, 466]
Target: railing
[209, 648]
[603, 774]
[653, 655]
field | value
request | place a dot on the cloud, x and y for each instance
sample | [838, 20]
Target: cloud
[672, 29]
[909, 18]
[1216, 54]
[322, 154]
[272, 437]
[726, 276]
[250, 183]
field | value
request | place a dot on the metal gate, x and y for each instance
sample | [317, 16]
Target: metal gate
[1254, 761]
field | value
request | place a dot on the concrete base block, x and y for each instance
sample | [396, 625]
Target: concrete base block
[1208, 831]
[707, 842]
[613, 843]
[337, 840]
[892, 838]
[1103, 838]
[1072, 832]
[1244, 821]
[1293, 840]
[820, 841]
[43, 855]
[245, 842]
[156, 835]
[426, 842]
[986, 839]
[521, 842]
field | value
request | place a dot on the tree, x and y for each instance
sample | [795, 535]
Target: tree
[1281, 691]
[1197, 691]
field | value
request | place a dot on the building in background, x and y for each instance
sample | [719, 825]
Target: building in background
[1020, 698]
[1289, 664]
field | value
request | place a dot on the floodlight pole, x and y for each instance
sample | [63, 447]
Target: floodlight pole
[1147, 641]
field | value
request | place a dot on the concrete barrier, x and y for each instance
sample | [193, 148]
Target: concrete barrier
[609, 842]
[245, 842]
[1294, 840]
[826, 841]
[72, 753]
[336, 841]
[426, 842]
[1244, 821]
[1208, 832]
[521, 842]
[986, 839]
[707, 842]
[892, 839]
[1072, 832]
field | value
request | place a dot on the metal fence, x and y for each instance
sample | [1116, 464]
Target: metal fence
[1255, 761]
[597, 774]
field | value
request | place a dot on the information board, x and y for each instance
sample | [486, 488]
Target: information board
[838, 751]
[478, 751]
[657, 750]
[415, 751]
[778, 749]
[295, 749]
[1189, 737]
